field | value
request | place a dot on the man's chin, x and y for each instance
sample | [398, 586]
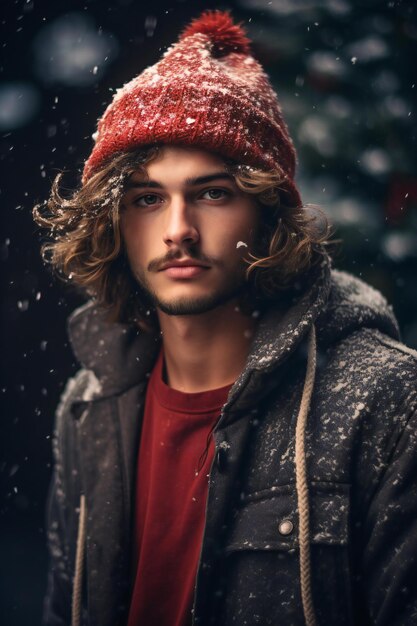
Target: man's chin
[192, 306]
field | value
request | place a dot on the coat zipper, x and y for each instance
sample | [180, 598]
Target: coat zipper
[213, 462]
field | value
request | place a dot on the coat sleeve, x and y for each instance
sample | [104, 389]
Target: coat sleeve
[390, 531]
[63, 509]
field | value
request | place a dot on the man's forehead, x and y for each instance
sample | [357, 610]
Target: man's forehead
[187, 166]
[138, 180]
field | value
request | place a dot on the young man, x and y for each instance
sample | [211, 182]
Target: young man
[239, 446]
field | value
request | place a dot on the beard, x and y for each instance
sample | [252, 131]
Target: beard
[197, 305]
[234, 286]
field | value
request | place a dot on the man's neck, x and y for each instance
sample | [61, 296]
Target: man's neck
[206, 351]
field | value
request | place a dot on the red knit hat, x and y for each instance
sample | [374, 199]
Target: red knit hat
[206, 91]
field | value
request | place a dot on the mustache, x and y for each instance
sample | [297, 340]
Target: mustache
[174, 255]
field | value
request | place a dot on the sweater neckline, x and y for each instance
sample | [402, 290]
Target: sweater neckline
[181, 401]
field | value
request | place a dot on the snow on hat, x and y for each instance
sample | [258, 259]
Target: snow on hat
[207, 91]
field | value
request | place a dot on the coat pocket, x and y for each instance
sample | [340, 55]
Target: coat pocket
[262, 581]
[268, 519]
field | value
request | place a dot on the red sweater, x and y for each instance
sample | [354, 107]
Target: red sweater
[170, 500]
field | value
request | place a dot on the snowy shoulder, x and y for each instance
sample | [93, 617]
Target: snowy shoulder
[83, 387]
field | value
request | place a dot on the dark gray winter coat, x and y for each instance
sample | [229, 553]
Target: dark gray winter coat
[361, 455]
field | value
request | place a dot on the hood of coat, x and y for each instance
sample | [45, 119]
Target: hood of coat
[338, 304]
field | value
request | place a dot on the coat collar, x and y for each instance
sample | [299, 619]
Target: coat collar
[279, 332]
[119, 355]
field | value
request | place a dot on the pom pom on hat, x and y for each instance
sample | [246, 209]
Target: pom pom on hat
[225, 35]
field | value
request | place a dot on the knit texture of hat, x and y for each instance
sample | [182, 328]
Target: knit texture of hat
[207, 91]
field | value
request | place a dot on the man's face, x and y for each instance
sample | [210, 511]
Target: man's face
[186, 231]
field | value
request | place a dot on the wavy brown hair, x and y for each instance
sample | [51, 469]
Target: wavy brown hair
[85, 246]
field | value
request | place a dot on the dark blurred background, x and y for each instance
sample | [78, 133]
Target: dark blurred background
[345, 73]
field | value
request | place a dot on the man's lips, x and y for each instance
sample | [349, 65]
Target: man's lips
[183, 269]
[185, 263]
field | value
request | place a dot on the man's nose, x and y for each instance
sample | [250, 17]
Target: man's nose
[180, 227]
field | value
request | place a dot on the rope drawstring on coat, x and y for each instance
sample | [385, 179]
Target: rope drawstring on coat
[79, 565]
[302, 484]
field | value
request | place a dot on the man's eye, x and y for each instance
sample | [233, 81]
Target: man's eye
[148, 199]
[215, 194]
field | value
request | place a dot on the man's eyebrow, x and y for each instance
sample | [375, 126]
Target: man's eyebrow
[189, 182]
